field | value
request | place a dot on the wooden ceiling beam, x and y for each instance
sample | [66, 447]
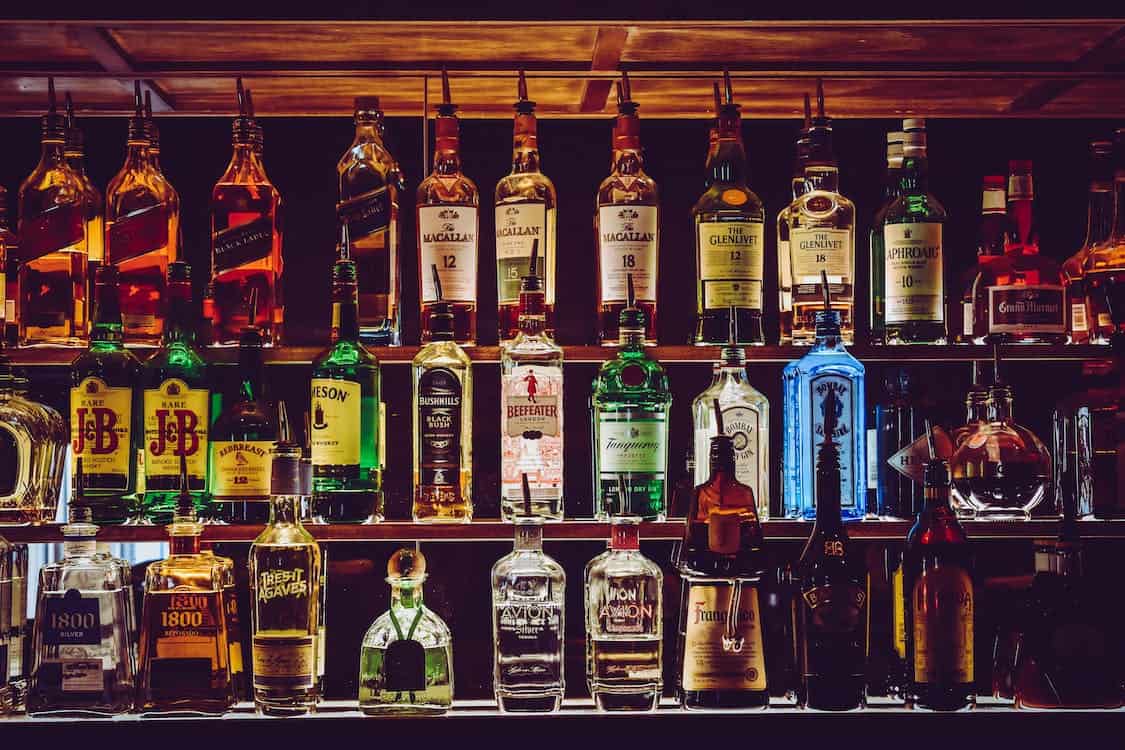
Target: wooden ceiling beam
[609, 45]
[109, 55]
[1109, 51]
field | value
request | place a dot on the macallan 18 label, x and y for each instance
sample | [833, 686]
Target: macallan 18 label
[627, 244]
[915, 287]
[722, 638]
[820, 386]
[100, 428]
[730, 263]
[175, 418]
[240, 468]
[448, 239]
[517, 226]
[336, 411]
[813, 250]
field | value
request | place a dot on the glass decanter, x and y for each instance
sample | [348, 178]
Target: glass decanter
[33, 441]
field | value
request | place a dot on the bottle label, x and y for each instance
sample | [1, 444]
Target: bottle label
[242, 244]
[967, 318]
[531, 402]
[101, 420]
[72, 620]
[57, 228]
[837, 612]
[240, 468]
[1035, 308]
[404, 667]
[517, 225]
[234, 628]
[730, 263]
[531, 439]
[820, 386]
[913, 272]
[629, 606]
[284, 662]
[722, 638]
[743, 425]
[176, 421]
[814, 250]
[872, 460]
[627, 244]
[185, 631]
[1020, 188]
[633, 445]
[898, 613]
[336, 410]
[439, 425]
[943, 626]
[993, 201]
[784, 273]
[448, 240]
[95, 239]
[1078, 317]
[71, 675]
[910, 461]
[138, 233]
[366, 214]
[525, 634]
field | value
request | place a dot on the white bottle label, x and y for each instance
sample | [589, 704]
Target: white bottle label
[637, 445]
[820, 386]
[627, 239]
[743, 425]
[814, 250]
[915, 288]
[872, 461]
[967, 318]
[1078, 316]
[531, 437]
[1032, 308]
[517, 226]
[730, 263]
[449, 241]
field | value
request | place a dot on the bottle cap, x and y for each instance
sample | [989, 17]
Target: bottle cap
[995, 182]
[447, 108]
[914, 123]
[406, 566]
[366, 104]
[895, 136]
[625, 534]
[1017, 166]
[52, 123]
[625, 104]
[75, 138]
[523, 105]
[285, 470]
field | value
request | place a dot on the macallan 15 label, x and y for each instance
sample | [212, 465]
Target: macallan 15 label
[1037, 308]
[627, 244]
[820, 386]
[137, 233]
[447, 238]
[722, 638]
[730, 263]
[915, 287]
[242, 244]
[101, 421]
[176, 421]
[439, 428]
[336, 411]
[517, 226]
[636, 445]
[942, 602]
[813, 250]
[240, 468]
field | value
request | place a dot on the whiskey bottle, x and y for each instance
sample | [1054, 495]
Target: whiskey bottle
[626, 227]
[892, 189]
[285, 591]
[712, 136]
[345, 436]
[105, 425]
[52, 304]
[784, 257]
[142, 217]
[448, 226]
[832, 609]
[1099, 226]
[630, 404]
[1104, 265]
[406, 658]
[624, 625]
[994, 235]
[245, 237]
[94, 206]
[525, 214]
[9, 664]
[176, 406]
[729, 240]
[371, 190]
[896, 426]
[443, 421]
[9, 274]
[531, 409]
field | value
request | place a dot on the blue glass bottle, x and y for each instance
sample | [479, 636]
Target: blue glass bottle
[826, 368]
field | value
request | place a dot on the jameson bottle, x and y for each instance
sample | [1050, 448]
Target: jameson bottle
[104, 413]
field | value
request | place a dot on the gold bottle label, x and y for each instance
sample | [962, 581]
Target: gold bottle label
[240, 468]
[723, 638]
[186, 625]
[335, 422]
[943, 626]
[282, 658]
[898, 613]
[175, 425]
[100, 427]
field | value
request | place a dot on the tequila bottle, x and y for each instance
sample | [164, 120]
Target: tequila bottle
[525, 214]
[1099, 226]
[371, 190]
[630, 403]
[9, 274]
[784, 258]
[406, 659]
[443, 421]
[892, 189]
[1103, 268]
[531, 409]
[624, 625]
[94, 206]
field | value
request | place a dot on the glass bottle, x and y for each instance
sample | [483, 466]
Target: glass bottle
[246, 238]
[898, 423]
[978, 405]
[9, 274]
[29, 443]
[18, 664]
[994, 235]
[1099, 226]
[176, 406]
[104, 413]
[8, 660]
[285, 583]
[48, 458]
[371, 190]
[94, 213]
[892, 189]
[729, 239]
[52, 300]
[406, 659]
[1107, 259]
[909, 274]
[443, 421]
[630, 403]
[624, 625]
[345, 435]
[531, 413]
[525, 213]
[626, 227]
[784, 258]
[746, 414]
[448, 224]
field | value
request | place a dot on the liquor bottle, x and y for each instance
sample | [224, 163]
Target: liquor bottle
[832, 610]
[746, 415]
[33, 443]
[892, 189]
[908, 275]
[371, 190]
[626, 227]
[104, 413]
[822, 238]
[94, 206]
[285, 584]
[52, 300]
[1099, 226]
[346, 441]
[9, 274]
[82, 642]
[448, 222]
[18, 672]
[531, 413]
[1107, 259]
[721, 563]
[827, 368]
[729, 240]
[784, 258]
[712, 136]
[978, 405]
[939, 602]
[624, 624]
[184, 652]
[528, 620]
[176, 406]
[443, 421]
[406, 659]
[246, 237]
[630, 404]
[994, 235]
[8, 661]
[525, 214]
[896, 428]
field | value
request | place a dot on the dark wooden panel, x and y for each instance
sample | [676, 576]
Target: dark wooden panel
[43, 43]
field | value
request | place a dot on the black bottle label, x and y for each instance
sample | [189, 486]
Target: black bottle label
[137, 233]
[405, 667]
[439, 419]
[72, 620]
[245, 243]
[366, 213]
[1022, 309]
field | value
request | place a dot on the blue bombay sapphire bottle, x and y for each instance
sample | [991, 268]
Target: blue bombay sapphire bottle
[827, 368]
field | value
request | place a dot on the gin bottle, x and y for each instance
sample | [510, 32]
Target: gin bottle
[406, 658]
[630, 404]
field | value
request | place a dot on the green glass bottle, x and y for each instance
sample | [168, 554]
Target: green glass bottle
[104, 409]
[344, 412]
[630, 404]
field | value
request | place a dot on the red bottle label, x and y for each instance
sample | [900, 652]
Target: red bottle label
[56, 228]
[137, 233]
[241, 245]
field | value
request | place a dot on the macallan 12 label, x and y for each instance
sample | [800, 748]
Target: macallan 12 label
[101, 421]
[915, 286]
[627, 245]
[176, 421]
[447, 238]
[335, 422]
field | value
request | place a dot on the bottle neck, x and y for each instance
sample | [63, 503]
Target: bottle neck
[179, 328]
[993, 201]
[79, 540]
[77, 161]
[721, 458]
[53, 151]
[368, 130]
[529, 535]
[137, 155]
[107, 328]
[1099, 214]
[976, 407]
[525, 144]
[1001, 404]
[628, 161]
[625, 537]
[532, 320]
[729, 165]
[447, 146]
[914, 178]
[822, 177]
[251, 366]
[285, 510]
[407, 596]
[631, 338]
[936, 501]
[345, 312]
[185, 544]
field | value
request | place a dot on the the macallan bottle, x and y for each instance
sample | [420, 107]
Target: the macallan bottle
[448, 225]
[75, 150]
[626, 227]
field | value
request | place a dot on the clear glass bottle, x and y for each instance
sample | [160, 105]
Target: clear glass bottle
[624, 598]
[978, 405]
[1099, 226]
[406, 659]
[784, 259]
[7, 649]
[892, 189]
[1103, 266]
[17, 663]
[33, 442]
[75, 150]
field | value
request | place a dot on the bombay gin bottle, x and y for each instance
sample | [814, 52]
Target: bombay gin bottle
[406, 660]
[528, 625]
